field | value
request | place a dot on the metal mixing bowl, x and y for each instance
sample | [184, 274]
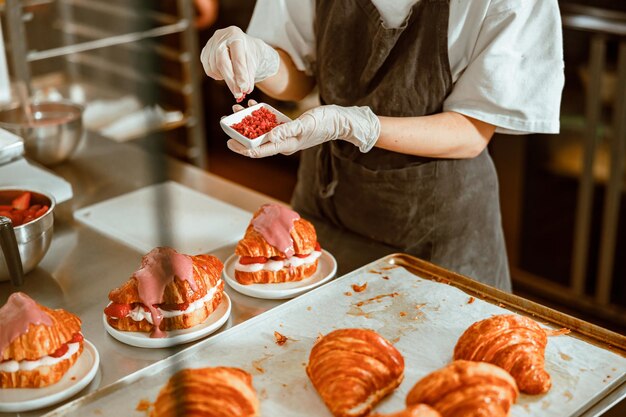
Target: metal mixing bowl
[55, 133]
[33, 238]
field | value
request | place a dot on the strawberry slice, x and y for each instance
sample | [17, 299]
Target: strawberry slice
[247, 260]
[76, 337]
[18, 217]
[317, 246]
[302, 255]
[117, 311]
[41, 211]
[22, 202]
[60, 351]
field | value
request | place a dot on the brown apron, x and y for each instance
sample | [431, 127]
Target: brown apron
[445, 211]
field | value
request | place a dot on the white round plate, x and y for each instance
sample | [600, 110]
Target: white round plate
[174, 337]
[15, 400]
[326, 270]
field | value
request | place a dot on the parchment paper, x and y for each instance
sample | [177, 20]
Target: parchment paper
[422, 318]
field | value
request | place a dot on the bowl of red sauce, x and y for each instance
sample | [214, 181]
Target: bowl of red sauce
[251, 125]
[31, 219]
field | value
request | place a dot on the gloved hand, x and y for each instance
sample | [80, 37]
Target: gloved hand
[238, 59]
[357, 125]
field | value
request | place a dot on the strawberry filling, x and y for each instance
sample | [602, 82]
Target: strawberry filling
[119, 311]
[76, 338]
[60, 351]
[249, 260]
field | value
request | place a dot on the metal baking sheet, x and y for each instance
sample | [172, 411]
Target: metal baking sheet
[422, 309]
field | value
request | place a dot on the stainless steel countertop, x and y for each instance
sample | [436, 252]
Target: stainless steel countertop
[82, 265]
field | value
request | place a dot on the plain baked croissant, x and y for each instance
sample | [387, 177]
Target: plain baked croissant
[466, 389]
[353, 369]
[178, 294]
[41, 340]
[254, 250]
[418, 410]
[514, 343]
[207, 392]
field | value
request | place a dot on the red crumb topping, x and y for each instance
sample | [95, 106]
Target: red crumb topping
[257, 123]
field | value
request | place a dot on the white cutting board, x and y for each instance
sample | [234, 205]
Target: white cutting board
[167, 214]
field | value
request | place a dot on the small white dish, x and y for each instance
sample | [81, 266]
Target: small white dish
[16, 400]
[326, 270]
[174, 337]
[230, 120]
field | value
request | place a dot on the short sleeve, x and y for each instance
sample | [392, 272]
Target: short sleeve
[288, 25]
[514, 78]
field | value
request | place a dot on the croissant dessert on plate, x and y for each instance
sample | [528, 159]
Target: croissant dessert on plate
[38, 345]
[278, 246]
[207, 392]
[417, 410]
[353, 369]
[466, 389]
[514, 343]
[170, 291]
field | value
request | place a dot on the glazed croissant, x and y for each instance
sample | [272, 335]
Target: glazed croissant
[466, 389]
[207, 392]
[191, 300]
[418, 410]
[514, 343]
[353, 369]
[278, 246]
[49, 345]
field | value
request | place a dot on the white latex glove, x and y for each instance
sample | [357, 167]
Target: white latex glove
[238, 59]
[357, 125]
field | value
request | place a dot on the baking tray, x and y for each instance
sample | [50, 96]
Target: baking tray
[419, 307]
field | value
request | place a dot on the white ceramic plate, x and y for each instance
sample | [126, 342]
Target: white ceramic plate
[326, 270]
[230, 120]
[15, 400]
[174, 337]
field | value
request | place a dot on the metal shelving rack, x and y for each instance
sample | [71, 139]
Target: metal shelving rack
[111, 48]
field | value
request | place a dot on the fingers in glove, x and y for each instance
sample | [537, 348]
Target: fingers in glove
[240, 65]
[224, 66]
[206, 58]
[237, 147]
[239, 107]
[265, 150]
[285, 131]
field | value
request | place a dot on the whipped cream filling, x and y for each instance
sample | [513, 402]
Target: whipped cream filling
[139, 313]
[272, 265]
[14, 366]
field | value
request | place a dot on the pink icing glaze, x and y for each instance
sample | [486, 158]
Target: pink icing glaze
[158, 269]
[275, 224]
[16, 315]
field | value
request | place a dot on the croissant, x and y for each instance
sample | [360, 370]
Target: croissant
[466, 389]
[514, 343]
[207, 392]
[353, 369]
[38, 345]
[278, 246]
[178, 303]
[418, 410]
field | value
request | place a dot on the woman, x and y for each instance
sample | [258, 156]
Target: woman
[411, 92]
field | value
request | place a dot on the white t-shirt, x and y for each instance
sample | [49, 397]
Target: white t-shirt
[506, 56]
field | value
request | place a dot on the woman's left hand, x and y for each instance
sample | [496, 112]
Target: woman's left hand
[357, 125]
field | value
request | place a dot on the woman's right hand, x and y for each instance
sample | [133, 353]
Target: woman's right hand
[238, 59]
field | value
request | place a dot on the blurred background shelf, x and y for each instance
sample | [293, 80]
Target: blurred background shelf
[88, 50]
